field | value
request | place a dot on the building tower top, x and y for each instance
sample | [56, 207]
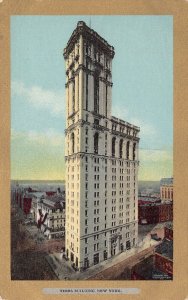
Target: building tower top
[89, 34]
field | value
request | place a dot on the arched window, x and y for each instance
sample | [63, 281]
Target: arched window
[127, 150]
[113, 146]
[96, 142]
[121, 148]
[134, 151]
[87, 49]
[72, 141]
[96, 94]
[73, 96]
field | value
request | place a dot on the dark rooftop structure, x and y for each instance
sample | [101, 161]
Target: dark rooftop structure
[165, 248]
[169, 225]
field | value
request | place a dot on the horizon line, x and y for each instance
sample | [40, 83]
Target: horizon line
[65, 180]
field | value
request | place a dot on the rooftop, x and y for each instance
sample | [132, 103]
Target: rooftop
[37, 194]
[154, 203]
[122, 122]
[56, 205]
[147, 198]
[169, 225]
[55, 198]
[165, 248]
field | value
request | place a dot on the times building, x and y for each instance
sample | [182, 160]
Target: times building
[101, 156]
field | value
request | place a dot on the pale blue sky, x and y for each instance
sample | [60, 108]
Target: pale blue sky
[142, 93]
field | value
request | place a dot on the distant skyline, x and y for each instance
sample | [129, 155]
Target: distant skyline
[142, 93]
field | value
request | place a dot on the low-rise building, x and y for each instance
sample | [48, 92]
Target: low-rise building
[36, 204]
[52, 216]
[164, 257]
[159, 265]
[26, 204]
[153, 213]
[148, 199]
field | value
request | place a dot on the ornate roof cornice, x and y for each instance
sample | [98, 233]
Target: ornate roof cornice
[88, 34]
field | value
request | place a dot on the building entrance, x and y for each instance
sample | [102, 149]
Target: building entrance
[113, 251]
[96, 258]
[105, 255]
[86, 263]
[72, 256]
[121, 247]
[128, 245]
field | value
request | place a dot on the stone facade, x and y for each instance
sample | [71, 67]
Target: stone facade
[166, 189]
[54, 224]
[101, 154]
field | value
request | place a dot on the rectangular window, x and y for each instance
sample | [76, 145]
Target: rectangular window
[96, 94]
[86, 91]
[106, 99]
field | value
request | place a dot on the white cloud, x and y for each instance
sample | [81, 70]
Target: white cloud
[155, 155]
[146, 129]
[119, 112]
[49, 138]
[53, 101]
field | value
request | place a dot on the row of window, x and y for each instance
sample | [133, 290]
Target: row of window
[96, 146]
[96, 236]
[61, 221]
[96, 177]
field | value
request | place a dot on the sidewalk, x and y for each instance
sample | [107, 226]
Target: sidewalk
[63, 269]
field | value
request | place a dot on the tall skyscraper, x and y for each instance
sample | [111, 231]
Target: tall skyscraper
[101, 153]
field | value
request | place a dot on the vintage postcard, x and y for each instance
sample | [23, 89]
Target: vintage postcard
[93, 115]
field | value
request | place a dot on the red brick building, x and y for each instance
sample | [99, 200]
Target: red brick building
[164, 252]
[168, 231]
[153, 213]
[164, 264]
[26, 204]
